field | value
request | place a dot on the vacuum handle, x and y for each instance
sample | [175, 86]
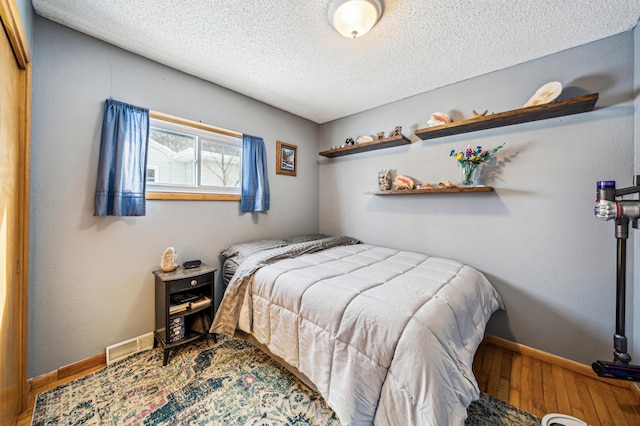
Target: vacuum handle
[606, 190]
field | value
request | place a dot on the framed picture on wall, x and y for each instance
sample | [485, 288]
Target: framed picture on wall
[287, 157]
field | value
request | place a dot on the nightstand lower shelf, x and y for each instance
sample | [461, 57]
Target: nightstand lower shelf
[190, 336]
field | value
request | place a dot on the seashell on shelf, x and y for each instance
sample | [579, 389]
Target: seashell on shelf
[403, 182]
[438, 119]
[545, 94]
[364, 139]
[446, 184]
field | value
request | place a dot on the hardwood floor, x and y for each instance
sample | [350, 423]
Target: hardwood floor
[531, 380]
[539, 383]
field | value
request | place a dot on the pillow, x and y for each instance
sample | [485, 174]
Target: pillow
[304, 238]
[246, 249]
[243, 250]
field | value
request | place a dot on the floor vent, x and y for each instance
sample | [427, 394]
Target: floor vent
[129, 347]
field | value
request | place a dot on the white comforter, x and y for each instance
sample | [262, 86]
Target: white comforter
[387, 336]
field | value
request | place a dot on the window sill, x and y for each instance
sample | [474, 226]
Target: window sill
[191, 196]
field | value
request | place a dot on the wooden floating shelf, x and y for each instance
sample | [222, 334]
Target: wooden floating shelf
[522, 115]
[457, 190]
[367, 146]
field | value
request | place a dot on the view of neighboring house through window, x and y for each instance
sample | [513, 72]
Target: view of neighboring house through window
[183, 158]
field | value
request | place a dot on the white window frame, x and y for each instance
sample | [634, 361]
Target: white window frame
[201, 131]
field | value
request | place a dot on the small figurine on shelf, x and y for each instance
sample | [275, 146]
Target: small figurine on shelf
[396, 132]
[380, 135]
[349, 141]
[475, 114]
[384, 179]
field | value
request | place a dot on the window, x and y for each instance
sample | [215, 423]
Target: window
[190, 160]
[152, 172]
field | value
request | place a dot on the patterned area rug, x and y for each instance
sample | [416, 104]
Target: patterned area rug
[206, 383]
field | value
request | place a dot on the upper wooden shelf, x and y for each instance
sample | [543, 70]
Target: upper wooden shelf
[522, 115]
[366, 146]
[456, 189]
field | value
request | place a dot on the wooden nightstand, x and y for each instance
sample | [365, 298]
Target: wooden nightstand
[178, 319]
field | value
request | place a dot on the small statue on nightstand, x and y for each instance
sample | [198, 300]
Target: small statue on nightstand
[168, 262]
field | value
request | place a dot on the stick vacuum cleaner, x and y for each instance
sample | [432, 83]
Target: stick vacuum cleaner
[607, 208]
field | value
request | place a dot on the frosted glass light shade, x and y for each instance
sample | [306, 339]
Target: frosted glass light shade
[354, 18]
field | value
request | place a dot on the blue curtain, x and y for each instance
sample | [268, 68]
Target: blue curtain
[120, 190]
[255, 184]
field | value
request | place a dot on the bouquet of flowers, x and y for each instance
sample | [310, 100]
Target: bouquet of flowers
[470, 159]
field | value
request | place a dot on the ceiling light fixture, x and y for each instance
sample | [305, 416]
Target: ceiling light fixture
[354, 18]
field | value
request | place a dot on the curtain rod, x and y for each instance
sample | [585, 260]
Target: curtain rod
[191, 123]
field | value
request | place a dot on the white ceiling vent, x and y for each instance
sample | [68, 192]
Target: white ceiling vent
[129, 347]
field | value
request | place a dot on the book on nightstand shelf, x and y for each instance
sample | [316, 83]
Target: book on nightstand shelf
[193, 303]
[174, 308]
[183, 298]
[200, 302]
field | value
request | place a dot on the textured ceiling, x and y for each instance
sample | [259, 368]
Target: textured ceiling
[285, 53]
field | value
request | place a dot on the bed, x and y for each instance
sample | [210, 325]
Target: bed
[386, 336]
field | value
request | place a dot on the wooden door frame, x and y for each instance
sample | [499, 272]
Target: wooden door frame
[14, 30]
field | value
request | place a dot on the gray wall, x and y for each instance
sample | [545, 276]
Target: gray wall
[91, 283]
[535, 237]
